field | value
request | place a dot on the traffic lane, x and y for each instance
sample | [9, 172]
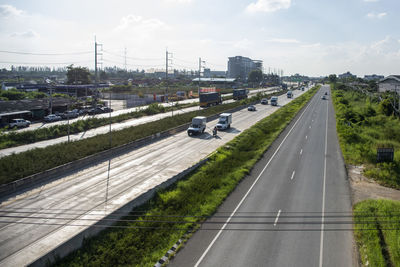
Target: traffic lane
[201, 239]
[277, 191]
[39, 125]
[97, 131]
[338, 201]
[84, 191]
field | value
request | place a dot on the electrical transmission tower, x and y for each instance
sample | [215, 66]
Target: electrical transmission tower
[201, 66]
[96, 63]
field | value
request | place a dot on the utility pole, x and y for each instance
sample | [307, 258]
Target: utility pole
[125, 60]
[200, 66]
[167, 60]
[96, 54]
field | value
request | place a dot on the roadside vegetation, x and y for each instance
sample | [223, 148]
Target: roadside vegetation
[377, 232]
[141, 238]
[364, 123]
[17, 166]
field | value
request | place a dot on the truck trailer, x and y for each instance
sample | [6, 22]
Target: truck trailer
[210, 99]
[239, 94]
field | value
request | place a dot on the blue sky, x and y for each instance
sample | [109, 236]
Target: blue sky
[310, 37]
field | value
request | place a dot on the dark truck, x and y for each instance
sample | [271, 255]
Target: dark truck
[210, 99]
[239, 94]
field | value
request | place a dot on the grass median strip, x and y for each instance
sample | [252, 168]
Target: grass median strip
[172, 212]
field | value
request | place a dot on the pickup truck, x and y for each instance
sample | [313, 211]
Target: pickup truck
[274, 101]
[197, 126]
[19, 123]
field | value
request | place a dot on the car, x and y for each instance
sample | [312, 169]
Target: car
[107, 109]
[326, 93]
[264, 101]
[251, 108]
[323, 97]
[69, 114]
[96, 110]
[52, 118]
[19, 123]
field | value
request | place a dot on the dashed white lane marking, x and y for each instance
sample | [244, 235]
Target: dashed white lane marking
[291, 178]
[306, 136]
[301, 151]
[277, 217]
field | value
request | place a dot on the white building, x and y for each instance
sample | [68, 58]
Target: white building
[390, 83]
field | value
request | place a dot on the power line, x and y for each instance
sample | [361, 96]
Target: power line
[44, 63]
[134, 58]
[46, 54]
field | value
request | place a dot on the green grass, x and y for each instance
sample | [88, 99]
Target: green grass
[362, 127]
[17, 166]
[378, 245]
[199, 194]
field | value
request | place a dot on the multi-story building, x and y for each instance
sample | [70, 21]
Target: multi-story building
[373, 77]
[239, 67]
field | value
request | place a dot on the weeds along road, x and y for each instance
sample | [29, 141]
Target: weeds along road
[106, 128]
[35, 222]
[292, 210]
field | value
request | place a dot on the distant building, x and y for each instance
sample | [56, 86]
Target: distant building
[207, 73]
[373, 77]
[390, 83]
[347, 75]
[239, 67]
[217, 73]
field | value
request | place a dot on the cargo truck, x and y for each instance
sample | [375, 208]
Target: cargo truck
[224, 122]
[274, 101]
[197, 126]
[239, 94]
[210, 99]
[289, 94]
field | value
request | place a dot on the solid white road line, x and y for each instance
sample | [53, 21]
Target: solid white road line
[248, 191]
[291, 178]
[277, 217]
[321, 248]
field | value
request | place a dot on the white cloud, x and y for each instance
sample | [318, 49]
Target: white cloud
[373, 15]
[10, 11]
[370, 1]
[268, 6]
[132, 21]
[28, 34]
[283, 41]
[179, 1]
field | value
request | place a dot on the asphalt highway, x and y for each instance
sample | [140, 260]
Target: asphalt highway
[35, 222]
[106, 128]
[293, 210]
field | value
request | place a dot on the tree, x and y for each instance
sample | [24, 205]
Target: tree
[78, 75]
[255, 76]
[332, 78]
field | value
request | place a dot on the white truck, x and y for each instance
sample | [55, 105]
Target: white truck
[19, 123]
[197, 126]
[224, 122]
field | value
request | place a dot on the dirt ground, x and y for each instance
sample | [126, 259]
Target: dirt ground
[363, 188]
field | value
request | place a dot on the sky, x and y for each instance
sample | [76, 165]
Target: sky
[309, 37]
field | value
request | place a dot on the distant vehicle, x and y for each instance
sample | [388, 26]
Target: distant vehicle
[326, 93]
[251, 108]
[274, 101]
[264, 101]
[284, 86]
[107, 109]
[97, 110]
[51, 118]
[239, 94]
[19, 123]
[302, 88]
[210, 99]
[224, 122]
[323, 97]
[69, 115]
[289, 94]
[197, 126]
